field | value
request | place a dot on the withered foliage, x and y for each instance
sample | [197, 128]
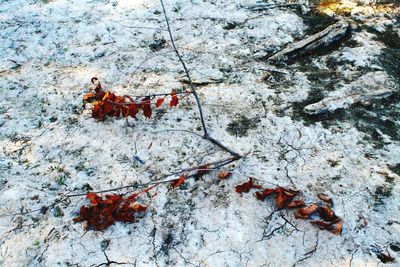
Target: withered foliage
[305, 212]
[104, 212]
[325, 198]
[107, 104]
[329, 220]
[178, 182]
[288, 198]
[284, 198]
[246, 186]
[224, 175]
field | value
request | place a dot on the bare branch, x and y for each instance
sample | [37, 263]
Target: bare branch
[163, 179]
[186, 70]
[206, 134]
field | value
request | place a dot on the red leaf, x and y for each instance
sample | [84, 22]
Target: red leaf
[335, 228]
[133, 110]
[112, 199]
[96, 111]
[246, 186]
[139, 208]
[115, 113]
[296, 204]
[325, 198]
[145, 105]
[127, 216]
[224, 175]
[305, 212]
[125, 111]
[100, 95]
[174, 100]
[179, 181]
[94, 198]
[84, 214]
[159, 102]
[118, 99]
[107, 106]
[132, 198]
[284, 196]
[112, 97]
[89, 97]
[263, 194]
[327, 214]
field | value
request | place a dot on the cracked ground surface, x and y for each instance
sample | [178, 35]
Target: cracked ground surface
[49, 146]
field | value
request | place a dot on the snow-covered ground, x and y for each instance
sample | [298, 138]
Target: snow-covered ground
[49, 146]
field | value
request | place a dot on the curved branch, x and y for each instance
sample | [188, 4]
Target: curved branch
[194, 92]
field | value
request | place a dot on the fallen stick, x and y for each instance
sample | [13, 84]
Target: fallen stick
[194, 92]
[265, 7]
[329, 36]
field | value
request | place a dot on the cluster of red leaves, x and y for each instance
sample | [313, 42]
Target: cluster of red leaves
[328, 219]
[288, 198]
[107, 104]
[102, 213]
[285, 198]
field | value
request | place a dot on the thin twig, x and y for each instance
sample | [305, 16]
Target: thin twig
[177, 130]
[186, 70]
[160, 94]
[162, 179]
[206, 134]
[140, 27]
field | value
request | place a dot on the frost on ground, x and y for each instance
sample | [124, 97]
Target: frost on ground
[49, 50]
